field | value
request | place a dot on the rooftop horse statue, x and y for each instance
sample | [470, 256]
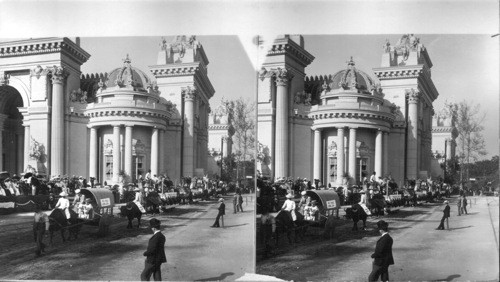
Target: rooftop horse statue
[131, 211]
[58, 221]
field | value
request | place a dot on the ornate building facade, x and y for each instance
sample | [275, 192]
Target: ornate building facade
[336, 127]
[60, 121]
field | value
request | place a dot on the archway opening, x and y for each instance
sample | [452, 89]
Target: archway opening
[13, 130]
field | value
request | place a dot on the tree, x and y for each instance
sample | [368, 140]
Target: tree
[468, 122]
[243, 121]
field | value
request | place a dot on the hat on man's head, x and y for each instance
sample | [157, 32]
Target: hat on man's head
[221, 200]
[381, 224]
[137, 189]
[303, 193]
[446, 202]
[63, 194]
[289, 196]
[78, 191]
[154, 223]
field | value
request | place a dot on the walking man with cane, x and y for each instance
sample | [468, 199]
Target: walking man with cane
[446, 214]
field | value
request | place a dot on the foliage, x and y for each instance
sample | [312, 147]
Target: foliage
[468, 122]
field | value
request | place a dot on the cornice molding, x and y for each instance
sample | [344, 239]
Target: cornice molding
[397, 73]
[43, 46]
[292, 49]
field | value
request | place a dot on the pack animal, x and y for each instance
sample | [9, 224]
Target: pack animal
[131, 211]
[285, 224]
[357, 213]
[59, 222]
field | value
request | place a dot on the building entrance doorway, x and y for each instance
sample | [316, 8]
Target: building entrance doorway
[11, 130]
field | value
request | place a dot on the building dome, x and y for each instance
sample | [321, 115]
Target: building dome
[351, 79]
[129, 77]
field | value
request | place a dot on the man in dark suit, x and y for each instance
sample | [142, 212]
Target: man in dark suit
[382, 255]
[155, 254]
[446, 214]
[222, 212]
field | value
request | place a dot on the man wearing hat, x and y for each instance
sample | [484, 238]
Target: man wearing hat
[155, 254]
[446, 214]
[40, 226]
[383, 254]
[63, 204]
[289, 207]
[222, 212]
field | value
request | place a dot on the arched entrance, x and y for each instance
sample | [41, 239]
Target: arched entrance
[12, 130]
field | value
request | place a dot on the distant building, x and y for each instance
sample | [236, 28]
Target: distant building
[339, 126]
[62, 122]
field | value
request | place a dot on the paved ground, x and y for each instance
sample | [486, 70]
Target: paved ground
[194, 250]
[468, 251]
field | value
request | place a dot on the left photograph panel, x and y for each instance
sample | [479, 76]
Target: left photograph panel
[127, 158]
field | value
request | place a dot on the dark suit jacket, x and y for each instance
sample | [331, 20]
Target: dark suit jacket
[222, 209]
[155, 254]
[383, 251]
[446, 211]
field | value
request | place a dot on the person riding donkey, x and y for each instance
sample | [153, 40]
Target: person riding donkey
[289, 207]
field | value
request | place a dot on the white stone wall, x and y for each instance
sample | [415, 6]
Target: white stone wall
[302, 151]
[77, 149]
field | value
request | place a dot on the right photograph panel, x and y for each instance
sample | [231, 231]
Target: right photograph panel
[369, 147]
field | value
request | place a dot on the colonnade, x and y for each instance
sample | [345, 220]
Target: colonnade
[156, 157]
[380, 159]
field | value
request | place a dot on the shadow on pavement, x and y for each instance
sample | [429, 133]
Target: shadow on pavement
[461, 227]
[219, 278]
[229, 226]
[449, 278]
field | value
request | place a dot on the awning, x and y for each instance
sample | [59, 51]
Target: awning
[327, 199]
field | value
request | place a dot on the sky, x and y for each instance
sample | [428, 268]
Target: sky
[457, 35]
[230, 69]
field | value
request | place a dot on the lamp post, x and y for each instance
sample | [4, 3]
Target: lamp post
[221, 156]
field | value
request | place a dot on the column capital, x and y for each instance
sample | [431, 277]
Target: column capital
[282, 75]
[412, 95]
[59, 74]
[189, 93]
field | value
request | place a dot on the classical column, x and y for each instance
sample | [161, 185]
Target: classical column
[281, 147]
[317, 155]
[57, 122]
[412, 137]
[93, 153]
[385, 153]
[448, 144]
[340, 156]
[378, 153]
[161, 151]
[27, 144]
[19, 152]
[116, 153]
[127, 161]
[352, 153]
[189, 94]
[154, 151]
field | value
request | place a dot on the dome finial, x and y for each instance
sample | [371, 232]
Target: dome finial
[127, 60]
[350, 62]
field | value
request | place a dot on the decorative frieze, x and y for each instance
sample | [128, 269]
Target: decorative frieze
[175, 71]
[398, 73]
